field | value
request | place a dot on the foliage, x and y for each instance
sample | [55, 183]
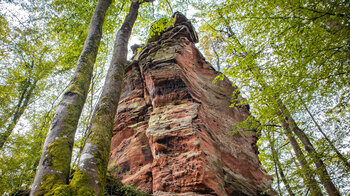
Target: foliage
[158, 27]
[293, 51]
[297, 51]
[116, 188]
[36, 57]
[18, 163]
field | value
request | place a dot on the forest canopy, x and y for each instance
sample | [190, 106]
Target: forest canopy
[289, 59]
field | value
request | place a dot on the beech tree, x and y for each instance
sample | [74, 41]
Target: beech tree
[54, 166]
[92, 167]
[277, 163]
[279, 50]
[290, 60]
[27, 62]
[90, 177]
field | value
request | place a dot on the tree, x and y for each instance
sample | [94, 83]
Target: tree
[279, 168]
[92, 167]
[279, 50]
[24, 75]
[54, 166]
[290, 59]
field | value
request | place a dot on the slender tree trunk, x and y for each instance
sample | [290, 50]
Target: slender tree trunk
[284, 179]
[54, 166]
[340, 156]
[290, 125]
[278, 166]
[311, 183]
[278, 178]
[92, 167]
[22, 104]
[321, 167]
[216, 55]
[277, 175]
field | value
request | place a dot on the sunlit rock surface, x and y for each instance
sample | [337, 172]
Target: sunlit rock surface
[172, 131]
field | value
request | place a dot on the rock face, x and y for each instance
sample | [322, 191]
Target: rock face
[172, 131]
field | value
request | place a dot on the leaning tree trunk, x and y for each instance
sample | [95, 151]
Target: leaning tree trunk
[92, 167]
[288, 120]
[56, 155]
[340, 156]
[290, 125]
[321, 167]
[22, 104]
[311, 183]
[284, 179]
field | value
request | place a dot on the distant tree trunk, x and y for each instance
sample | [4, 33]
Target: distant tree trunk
[284, 179]
[321, 167]
[278, 166]
[216, 55]
[340, 156]
[288, 121]
[21, 106]
[277, 173]
[290, 125]
[54, 166]
[311, 183]
[92, 167]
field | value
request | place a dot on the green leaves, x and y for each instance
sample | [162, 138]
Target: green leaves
[280, 50]
[158, 27]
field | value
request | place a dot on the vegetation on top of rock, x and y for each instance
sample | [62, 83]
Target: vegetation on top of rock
[158, 27]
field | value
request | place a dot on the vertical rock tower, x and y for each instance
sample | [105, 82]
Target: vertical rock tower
[172, 131]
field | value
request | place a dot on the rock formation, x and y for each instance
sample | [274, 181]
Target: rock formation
[172, 131]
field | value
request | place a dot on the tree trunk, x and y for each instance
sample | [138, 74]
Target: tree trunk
[311, 183]
[92, 167]
[287, 120]
[54, 166]
[340, 156]
[321, 167]
[278, 164]
[22, 104]
[278, 178]
[290, 125]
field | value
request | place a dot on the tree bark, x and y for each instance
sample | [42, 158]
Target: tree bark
[321, 167]
[311, 183]
[92, 167]
[54, 166]
[340, 156]
[290, 126]
[22, 104]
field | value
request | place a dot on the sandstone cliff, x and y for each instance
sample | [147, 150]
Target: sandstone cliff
[172, 130]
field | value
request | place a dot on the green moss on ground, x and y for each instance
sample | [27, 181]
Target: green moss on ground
[116, 188]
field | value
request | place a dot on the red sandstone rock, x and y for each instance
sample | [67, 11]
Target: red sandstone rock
[172, 132]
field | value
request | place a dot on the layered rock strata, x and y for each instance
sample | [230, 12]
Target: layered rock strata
[172, 131]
